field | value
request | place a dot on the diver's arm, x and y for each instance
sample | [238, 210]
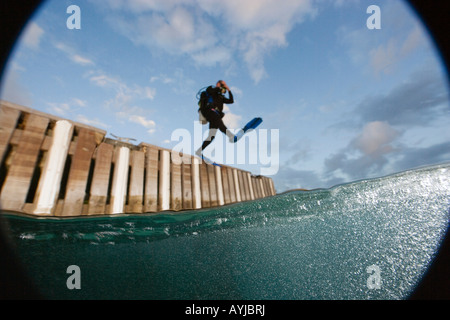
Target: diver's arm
[230, 98]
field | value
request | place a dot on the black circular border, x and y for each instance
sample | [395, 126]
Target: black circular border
[14, 283]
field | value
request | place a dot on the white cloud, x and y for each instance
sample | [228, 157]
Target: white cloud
[128, 115]
[236, 91]
[415, 39]
[61, 109]
[383, 57]
[104, 81]
[176, 31]
[231, 120]
[79, 102]
[340, 3]
[257, 27]
[212, 56]
[91, 122]
[124, 91]
[81, 60]
[149, 93]
[178, 81]
[253, 15]
[366, 155]
[65, 108]
[73, 55]
[148, 124]
[126, 96]
[163, 78]
[375, 138]
[211, 32]
[386, 55]
[32, 36]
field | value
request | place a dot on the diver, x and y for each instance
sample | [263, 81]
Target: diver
[211, 107]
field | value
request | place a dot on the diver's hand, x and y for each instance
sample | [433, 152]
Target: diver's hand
[224, 85]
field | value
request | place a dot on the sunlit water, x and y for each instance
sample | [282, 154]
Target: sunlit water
[297, 245]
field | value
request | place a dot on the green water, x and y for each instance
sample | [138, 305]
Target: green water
[297, 245]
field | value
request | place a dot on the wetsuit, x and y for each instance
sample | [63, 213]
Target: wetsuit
[213, 112]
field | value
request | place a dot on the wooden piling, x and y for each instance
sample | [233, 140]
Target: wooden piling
[120, 180]
[101, 179]
[164, 181]
[219, 186]
[151, 181]
[204, 185]
[213, 196]
[176, 194]
[136, 188]
[8, 122]
[186, 177]
[79, 172]
[225, 186]
[231, 185]
[50, 181]
[18, 179]
[196, 190]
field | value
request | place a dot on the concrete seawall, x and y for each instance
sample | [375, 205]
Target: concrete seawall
[50, 166]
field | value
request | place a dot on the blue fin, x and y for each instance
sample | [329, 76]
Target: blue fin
[252, 124]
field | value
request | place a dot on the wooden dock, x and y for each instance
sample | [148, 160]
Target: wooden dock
[50, 166]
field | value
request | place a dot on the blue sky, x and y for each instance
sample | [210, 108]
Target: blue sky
[348, 102]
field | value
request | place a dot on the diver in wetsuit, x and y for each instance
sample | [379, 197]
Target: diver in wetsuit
[213, 112]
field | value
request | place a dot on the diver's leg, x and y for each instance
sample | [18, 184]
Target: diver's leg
[207, 142]
[227, 132]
